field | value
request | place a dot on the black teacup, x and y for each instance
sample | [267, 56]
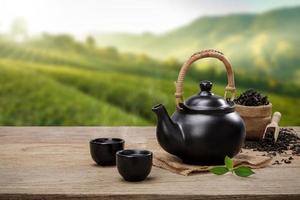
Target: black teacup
[134, 165]
[103, 150]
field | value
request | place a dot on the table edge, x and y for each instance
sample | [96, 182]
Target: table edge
[12, 196]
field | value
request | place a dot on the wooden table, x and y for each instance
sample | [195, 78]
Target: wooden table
[55, 163]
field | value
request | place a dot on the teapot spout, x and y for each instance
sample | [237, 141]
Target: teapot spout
[168, 133]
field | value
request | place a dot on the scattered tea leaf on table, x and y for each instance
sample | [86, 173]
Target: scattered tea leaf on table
[220, 170]
[243, 171]
[228, 162]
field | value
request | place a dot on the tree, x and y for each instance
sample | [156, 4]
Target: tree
[90, 41]
[18, 29]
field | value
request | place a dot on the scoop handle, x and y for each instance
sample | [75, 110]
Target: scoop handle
[276, 117]
[199, 55]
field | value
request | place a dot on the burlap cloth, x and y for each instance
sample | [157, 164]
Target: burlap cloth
[171, 163]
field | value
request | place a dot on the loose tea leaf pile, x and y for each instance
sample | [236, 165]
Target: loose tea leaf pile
[287, 141]
[251, 98]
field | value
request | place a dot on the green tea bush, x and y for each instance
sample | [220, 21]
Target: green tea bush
[46, 84]
[138, 94]
[29, 98]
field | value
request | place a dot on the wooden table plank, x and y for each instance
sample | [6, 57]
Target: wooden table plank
[54, 163]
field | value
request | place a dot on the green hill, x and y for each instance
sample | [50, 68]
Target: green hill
[54, 80]
[266, 43]
[29, 98]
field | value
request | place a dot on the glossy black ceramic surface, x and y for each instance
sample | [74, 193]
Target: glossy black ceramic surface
[205, 131]
[134, 165]
[103, 150]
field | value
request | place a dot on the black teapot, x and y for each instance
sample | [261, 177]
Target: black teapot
[205, 128]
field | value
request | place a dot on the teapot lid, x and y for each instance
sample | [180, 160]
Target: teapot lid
[205, 100]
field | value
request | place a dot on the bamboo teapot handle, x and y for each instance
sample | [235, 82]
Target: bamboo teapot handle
[197, 56]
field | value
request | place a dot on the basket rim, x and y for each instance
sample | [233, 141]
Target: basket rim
[261, 106]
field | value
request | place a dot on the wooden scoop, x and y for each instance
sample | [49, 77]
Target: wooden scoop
[273, 126]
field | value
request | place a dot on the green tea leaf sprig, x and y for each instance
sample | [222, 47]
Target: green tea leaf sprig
[241, 171]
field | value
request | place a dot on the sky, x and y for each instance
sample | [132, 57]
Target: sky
[81, 17]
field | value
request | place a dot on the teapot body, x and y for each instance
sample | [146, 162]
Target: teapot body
[205, 127]
[208, 138]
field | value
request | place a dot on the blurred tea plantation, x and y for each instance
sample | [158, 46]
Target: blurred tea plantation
[57, 80]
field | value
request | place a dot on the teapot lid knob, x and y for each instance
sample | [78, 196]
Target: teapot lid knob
[205, 86]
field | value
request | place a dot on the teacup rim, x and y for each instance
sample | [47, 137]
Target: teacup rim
[142, 153]
[117, 140]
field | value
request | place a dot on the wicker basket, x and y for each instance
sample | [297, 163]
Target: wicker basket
[256, 119]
